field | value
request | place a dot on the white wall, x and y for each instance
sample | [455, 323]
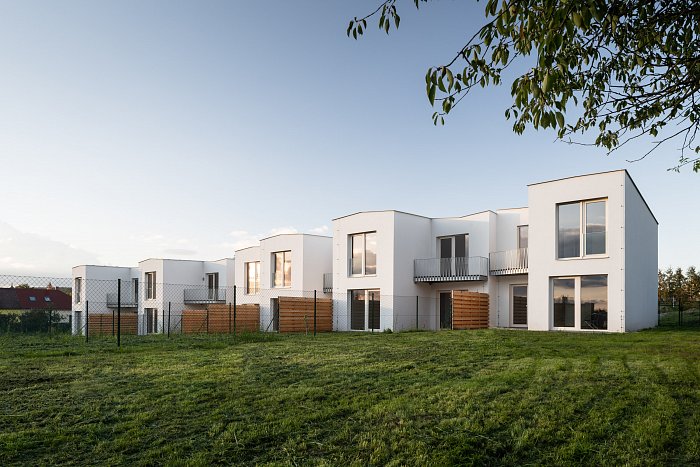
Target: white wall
[543, 264]
[641, 261]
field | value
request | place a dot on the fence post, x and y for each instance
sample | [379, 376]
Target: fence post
[169, 320]
[314, 313]
[680, 314]
[417, 313]
[119, 312]
[234, 310]
[87, 320]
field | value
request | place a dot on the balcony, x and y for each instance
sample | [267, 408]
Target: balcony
[328, 282]
[504, 263]
[128, 300]
[474, 268]
[204, 296]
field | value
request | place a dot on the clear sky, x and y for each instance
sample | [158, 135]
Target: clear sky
[135, 129]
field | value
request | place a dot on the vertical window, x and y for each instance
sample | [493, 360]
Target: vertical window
[363, 251]
[564, 291]
[151, 285]
[213, 286]
[252, 274]
[365, 310]
[522, 236]
[78, 289]
[595, 228]
[282, 269]
[594, 302]
[569, 230]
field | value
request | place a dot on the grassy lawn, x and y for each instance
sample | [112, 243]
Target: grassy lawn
[479, 397]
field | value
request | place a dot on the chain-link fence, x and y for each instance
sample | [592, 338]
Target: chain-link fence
[92, 307]
[676, 312]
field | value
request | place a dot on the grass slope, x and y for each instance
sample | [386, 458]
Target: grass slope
[480, 397]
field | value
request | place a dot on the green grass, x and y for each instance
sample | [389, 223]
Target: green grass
[480, 397]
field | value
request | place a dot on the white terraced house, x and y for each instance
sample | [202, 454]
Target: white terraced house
[290, 265]
[583, 255]
[150, 289]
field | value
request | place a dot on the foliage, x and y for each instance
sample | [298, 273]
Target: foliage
[674, 285]
[32, 321]
[629, 68]
[492, 397]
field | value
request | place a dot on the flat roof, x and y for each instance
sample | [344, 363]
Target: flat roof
[602, 173]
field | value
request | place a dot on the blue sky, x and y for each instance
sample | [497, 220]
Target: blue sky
[132, 129]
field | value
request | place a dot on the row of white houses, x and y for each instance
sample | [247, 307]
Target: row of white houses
[581, 256]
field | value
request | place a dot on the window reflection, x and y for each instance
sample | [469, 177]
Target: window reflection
[594, 302]
[564, 302]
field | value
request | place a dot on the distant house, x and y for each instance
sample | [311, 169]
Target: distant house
[16, 298]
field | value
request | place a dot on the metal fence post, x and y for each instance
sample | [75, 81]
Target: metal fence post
[417, 312]
[234, 310]
[314, 313]
[119, 312]
[169, 320]
[87, 320]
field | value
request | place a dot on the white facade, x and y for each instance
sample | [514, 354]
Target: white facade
[607, 282]
[157, 289]
[305, 258]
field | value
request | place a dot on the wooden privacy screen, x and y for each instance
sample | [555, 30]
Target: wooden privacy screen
[297, 314]
[220, 320]
[101, 323]
[470, 310]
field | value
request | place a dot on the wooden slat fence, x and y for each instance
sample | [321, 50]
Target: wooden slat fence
[297, 314]
[102, 324]
[470, 310]
[221, 319]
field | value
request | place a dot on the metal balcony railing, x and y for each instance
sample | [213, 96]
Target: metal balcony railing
[128, 300]
[328, 282]
[473, 268]
[217, 295]
[507, 262]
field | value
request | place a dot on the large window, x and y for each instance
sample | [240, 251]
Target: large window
[570, 217]
[151, 285]
[78, 289]
[363, 250]
[594, 302]
[252, 274]
[282, 269]
[580, 302]
[564, 291]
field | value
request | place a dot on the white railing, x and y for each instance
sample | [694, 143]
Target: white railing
[508, 262]
[473, 268]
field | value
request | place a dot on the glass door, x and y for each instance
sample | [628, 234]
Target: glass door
[445, 310]
[518, 305]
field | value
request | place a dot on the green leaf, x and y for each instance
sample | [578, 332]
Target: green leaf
[431, 95]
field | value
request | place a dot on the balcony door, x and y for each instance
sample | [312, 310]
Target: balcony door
[454, 251]
[518, 305]
[365, 310]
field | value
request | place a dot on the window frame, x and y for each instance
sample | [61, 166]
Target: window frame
[582, 204]
[577, 303]
[150, 279]
[363, 258]
[512, 306]
[255, 289]
[273, 269]
[78, 288]
[517, 240]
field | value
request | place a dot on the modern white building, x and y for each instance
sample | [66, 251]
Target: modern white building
[156, 289]
[581, 256]
[282, 265]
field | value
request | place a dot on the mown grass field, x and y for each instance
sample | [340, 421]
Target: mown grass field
[480, 397]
